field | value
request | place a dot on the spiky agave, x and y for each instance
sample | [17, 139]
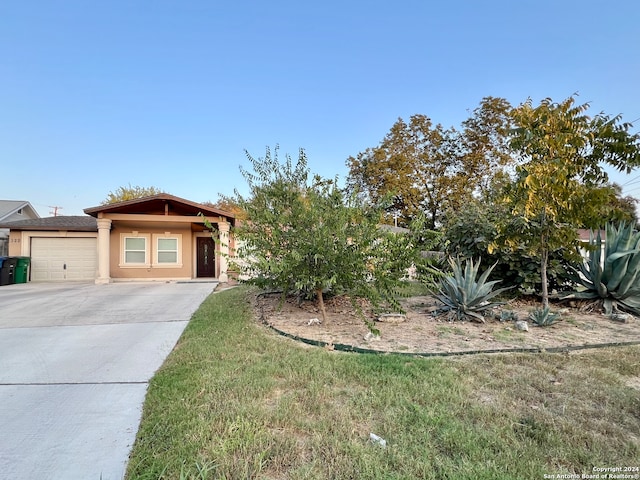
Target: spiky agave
[463, 295]
[611, 276]
[543, 317]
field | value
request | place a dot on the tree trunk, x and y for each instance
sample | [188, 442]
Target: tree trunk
[321, 305]
[543, 277]
[544, 260]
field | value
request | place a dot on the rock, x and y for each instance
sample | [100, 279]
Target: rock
[392, 318]
[619, 317]
[522, 325]
[371, 336]
[314, 321]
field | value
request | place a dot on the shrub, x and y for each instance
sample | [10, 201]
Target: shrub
[474, 233]
[303, 236]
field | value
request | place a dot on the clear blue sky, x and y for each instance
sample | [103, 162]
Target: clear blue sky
[99, 94]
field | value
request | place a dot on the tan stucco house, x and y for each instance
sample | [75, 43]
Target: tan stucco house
[161, 237]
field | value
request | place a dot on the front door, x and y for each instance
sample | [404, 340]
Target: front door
[206, 257]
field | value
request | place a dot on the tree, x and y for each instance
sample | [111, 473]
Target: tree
[129, 193]
[615, 208]
[415, 164]
[559, 182]
[303, 236]
[226, 204]
[486, 157]
[432, 170]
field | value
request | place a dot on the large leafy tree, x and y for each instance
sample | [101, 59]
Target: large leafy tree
[486, 157]
[300, 234]
[559, 182]
[431, 170]
[130, 193]
[415, 164]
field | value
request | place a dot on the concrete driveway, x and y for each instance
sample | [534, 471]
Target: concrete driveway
[75, 361]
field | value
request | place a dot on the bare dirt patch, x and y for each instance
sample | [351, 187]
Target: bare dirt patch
[421, 332]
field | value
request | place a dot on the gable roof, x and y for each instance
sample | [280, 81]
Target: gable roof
[73, 223]
[9, 207]
[157, 204]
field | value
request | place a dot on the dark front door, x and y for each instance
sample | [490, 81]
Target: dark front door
[206, 261]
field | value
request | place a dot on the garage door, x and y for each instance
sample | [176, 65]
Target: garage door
[60, 259]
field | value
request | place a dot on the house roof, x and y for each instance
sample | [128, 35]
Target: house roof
[157, 204]
[9, 207]
[584, 234]
[79, 223]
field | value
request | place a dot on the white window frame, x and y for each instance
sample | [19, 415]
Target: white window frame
[156, 250]
[123, 250]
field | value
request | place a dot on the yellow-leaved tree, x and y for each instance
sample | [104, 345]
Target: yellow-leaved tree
[560, 179]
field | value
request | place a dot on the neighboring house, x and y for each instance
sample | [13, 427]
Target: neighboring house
[161, 237]
[584, 236]
[12, 210]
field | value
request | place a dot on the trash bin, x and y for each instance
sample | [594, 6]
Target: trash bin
[8, 271]
[22, 267]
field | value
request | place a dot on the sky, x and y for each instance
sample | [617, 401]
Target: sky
[95, 95]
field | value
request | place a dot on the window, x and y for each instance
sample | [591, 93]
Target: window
[167, 250]
[135, 250]
[149, 250]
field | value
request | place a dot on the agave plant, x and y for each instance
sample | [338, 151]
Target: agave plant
[612, 277]
[543, 317]
[463, 295]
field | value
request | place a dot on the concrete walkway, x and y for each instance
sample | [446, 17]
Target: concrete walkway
[75, 361]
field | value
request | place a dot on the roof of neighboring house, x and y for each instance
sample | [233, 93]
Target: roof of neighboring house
[157, 204]
[79, 223]
[9, 207]
[584, 234]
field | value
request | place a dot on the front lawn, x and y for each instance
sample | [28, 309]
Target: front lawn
[236, 401]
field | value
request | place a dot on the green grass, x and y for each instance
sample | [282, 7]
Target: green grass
[235, 401]
[412, 288]
[445, 331]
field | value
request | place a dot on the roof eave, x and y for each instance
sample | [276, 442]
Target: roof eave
[95, 211]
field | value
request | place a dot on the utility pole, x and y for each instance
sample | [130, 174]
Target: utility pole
[396, 214]
[55, 210]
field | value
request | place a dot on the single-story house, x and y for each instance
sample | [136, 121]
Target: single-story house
[11, 211]
[160, 237]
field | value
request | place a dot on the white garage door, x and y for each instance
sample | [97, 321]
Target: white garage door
[60, 259]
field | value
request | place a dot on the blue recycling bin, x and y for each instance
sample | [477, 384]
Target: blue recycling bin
[2, 259]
